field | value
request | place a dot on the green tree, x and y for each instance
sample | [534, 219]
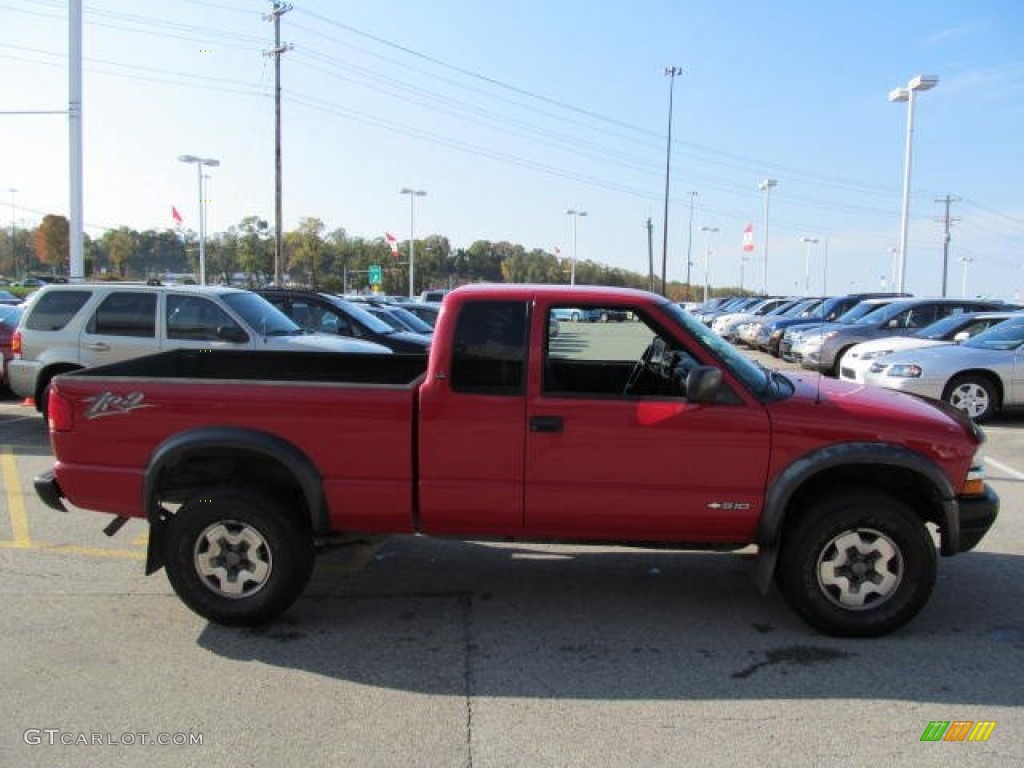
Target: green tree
[307, 248]
[120, 246]
[255, 250]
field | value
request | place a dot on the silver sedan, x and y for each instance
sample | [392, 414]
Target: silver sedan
[979, 376]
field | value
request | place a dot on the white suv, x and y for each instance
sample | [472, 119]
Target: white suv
[67, 327]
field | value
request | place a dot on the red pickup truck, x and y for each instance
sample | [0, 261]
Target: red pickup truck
[650, 432]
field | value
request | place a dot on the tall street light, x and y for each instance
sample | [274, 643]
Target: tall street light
[919, 83]
[575, 215]
[413, 194]
[670, 73]
[810, 242]
[689, 244]
[199, 163]
[708, 232]
[766, 186]
[963, 285]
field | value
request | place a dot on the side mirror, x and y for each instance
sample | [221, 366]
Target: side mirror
[232, 333]
[703, 384]
[962, 336]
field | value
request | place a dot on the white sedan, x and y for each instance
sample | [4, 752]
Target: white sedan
[858, 360]
[980, 376]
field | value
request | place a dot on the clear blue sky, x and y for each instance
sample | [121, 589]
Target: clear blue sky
[509, 113]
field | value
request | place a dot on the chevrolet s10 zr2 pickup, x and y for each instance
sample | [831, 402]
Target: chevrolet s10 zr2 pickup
[650, 432]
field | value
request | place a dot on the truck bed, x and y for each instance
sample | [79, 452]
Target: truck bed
[350, 418]
[240, 365]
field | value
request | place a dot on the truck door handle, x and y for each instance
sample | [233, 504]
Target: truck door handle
[545, 423]
[99, 346]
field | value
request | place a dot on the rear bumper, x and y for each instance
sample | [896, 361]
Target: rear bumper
[48, 489]
[977, 514]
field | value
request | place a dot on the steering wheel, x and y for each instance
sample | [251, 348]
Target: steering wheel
[644, 363]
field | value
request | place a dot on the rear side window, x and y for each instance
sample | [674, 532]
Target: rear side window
[489, 350]
[125, 314]
[54, 310]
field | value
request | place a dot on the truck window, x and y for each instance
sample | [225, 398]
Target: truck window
[609, 352]
[489, 348]
[125, 313]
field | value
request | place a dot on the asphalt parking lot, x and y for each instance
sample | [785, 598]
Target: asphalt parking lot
[421, 652]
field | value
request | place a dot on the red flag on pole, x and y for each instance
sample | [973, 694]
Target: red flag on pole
[748, 238]
[175, 215]
[393, 242]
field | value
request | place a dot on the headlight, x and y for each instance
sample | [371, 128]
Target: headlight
[902, 371]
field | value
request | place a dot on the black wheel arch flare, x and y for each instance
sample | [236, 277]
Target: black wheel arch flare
[179, 447]
[846, 456]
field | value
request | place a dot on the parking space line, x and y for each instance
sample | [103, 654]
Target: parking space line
[1004, 468]
[69, 549]
[15, 502]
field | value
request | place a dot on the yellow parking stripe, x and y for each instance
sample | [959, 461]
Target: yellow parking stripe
[15, 502]
[68, 549]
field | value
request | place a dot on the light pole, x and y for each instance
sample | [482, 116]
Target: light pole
[413, 194]
[575, 215]
[670, 73]
[919, 83]
[766, 186]
[963, 285]
[689, 245]
[199, 163]
[810, 242]
[708, 232]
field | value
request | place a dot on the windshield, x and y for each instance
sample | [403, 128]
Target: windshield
[940, 329]
[411, 320]
[743, 367]
[260, 315]
[881, 314]
[1005, 336]
[855, 313]
[370, 321]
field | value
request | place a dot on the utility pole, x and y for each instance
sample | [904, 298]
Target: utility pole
[650, 255]
[948, 200]
[275, 14]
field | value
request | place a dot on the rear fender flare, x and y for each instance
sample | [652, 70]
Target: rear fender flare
[177, 448]
[790, 480]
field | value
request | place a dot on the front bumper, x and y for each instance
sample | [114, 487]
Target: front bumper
[977, 515]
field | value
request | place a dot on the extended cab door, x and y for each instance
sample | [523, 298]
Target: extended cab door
[472, 423]
[614, 449]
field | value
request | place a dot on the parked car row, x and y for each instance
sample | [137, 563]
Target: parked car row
[966, 352]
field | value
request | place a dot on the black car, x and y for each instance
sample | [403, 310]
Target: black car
[327, 313]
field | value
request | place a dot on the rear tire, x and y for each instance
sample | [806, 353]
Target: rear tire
[237, 558]
[859, 564]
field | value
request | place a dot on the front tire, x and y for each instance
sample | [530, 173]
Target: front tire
[860, 564]
[974, 395]
[237, 558]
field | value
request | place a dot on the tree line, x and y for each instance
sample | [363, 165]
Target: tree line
[328, 260]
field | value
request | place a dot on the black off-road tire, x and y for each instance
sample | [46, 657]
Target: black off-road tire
[237, 557]
[857, 547]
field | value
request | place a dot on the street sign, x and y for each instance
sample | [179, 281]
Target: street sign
[376, 274]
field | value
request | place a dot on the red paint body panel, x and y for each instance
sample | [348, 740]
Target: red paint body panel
[427, 458]
[359, 438]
